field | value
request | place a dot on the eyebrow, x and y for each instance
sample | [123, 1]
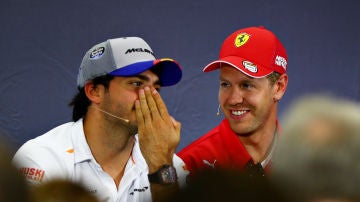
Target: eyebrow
[248, 78]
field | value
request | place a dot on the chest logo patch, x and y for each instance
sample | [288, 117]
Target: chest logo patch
[212, 165]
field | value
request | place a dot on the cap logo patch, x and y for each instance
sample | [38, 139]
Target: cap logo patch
[241, 39]
[97, 53]
[250, 66]
[281, 61]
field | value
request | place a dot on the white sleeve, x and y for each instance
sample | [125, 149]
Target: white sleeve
[38, 163]
[181, 171]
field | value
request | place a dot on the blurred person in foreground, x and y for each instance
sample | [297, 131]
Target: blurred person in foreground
[13, 186]
[213, 185]
[318, 156]
[60, 190]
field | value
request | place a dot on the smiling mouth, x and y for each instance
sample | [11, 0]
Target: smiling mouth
[238, 112]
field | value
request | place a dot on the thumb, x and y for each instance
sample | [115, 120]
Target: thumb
[176, 124]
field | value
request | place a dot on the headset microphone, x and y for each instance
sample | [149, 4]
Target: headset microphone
[108, 113]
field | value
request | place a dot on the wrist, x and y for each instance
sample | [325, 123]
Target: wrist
[164, 175]
[157, 164]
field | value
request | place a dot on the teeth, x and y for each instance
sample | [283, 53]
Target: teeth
[237, 113]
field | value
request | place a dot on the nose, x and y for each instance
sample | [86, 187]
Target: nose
[235, 97]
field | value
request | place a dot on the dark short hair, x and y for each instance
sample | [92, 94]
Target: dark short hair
[81, 102]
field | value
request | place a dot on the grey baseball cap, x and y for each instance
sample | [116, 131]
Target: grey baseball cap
[126, 56]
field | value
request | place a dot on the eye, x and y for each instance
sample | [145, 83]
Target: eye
[137, 83]
[247, 86]
[224, 84]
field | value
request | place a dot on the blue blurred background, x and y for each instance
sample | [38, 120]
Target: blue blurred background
[42, 43]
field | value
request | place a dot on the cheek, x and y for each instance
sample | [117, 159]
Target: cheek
[130, 98]
[257, 100]
[263, 103]
[222, 98]
[125, 98]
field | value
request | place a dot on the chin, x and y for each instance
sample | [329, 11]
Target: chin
[240, 130]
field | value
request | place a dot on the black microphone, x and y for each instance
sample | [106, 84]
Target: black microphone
[108, 113]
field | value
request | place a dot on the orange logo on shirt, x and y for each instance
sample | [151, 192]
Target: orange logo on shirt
[33, 173]
[70, 151]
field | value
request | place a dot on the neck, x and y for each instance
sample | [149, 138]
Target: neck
[110, 143]
[105, 132]
[259, 144]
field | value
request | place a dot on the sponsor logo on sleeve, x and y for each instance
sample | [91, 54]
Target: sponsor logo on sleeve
[33, 173]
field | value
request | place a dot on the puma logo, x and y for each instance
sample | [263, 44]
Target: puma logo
[212, 165]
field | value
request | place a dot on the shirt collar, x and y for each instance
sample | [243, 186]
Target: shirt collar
[267, 160]
[137, 157]
[82, 150]
[83, 153]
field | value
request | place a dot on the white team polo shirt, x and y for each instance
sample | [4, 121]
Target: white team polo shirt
[64, 153]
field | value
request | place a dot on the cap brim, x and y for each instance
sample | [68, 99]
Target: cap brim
[241, 64]
[168, 70]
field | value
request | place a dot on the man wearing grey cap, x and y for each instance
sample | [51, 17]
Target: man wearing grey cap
[122, 142]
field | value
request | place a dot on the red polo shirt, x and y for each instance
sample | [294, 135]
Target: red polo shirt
[219, 148]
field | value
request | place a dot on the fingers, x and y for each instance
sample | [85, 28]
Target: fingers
[139, 114]
[176, 124]
[160, 103]
[152, 105]
[144, 106]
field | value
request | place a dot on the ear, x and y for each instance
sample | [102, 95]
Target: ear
[92, 92]
[280, 87]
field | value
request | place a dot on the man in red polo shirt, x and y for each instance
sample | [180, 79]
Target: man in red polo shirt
[253, 79]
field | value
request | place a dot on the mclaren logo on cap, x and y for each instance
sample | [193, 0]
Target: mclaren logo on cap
[241, 39]
[250, 66]
[139, 50]
[97, 53]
